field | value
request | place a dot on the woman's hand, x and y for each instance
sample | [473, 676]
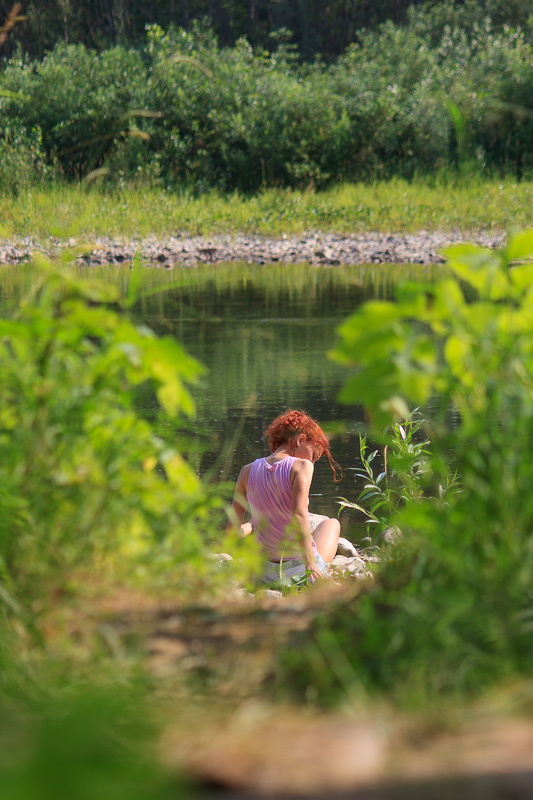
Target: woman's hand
[315, 573]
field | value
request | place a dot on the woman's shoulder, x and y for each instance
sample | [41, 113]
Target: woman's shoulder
[302, 466]
[245, 471]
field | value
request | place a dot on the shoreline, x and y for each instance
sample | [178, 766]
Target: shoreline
[320, 249]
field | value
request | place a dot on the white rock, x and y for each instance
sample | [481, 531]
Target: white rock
[220, 557]
[346, 548]
[392, 535]
[342, 565]
[315, 520]
[274, 594]
[347, 561]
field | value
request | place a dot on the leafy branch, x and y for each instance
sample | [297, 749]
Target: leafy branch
[403, 477]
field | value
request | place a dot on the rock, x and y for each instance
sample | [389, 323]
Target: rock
[237, 594]
[274, 594]
[343, 565]
[392, 535]
[347, 561]
[220, 557]
[363, 576]
[315, 520]
[346, 548]
[330, 249]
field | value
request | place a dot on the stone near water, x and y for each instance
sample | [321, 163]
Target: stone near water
[315, 520]
[324, 249]
[273, 594]
[354, 566]
[392, 535]
[346, 548]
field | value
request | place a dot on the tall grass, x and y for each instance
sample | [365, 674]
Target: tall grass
[386, 206]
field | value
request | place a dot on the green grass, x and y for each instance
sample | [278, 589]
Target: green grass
[394, 206]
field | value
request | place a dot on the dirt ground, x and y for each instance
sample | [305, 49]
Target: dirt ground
[223, 728]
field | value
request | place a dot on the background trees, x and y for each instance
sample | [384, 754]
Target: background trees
[316, 27]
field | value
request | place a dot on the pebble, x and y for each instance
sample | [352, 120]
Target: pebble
[314, 248]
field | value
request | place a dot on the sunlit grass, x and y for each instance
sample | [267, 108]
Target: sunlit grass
[393, 206]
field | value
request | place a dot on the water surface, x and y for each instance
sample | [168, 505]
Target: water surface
[263, 334]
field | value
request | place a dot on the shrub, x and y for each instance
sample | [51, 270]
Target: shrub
[397, 478]
[80, 101]
[23, 162]
[184, 112]
[84, 479]
[454, 613]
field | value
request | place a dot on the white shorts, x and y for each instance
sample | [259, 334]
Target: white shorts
[282, 573]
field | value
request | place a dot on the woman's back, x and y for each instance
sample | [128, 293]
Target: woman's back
[269, 492]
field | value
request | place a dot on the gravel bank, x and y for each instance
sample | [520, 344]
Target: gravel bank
[315, 248]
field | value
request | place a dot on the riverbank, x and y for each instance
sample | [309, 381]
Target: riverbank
[326, 249]
[462, 209]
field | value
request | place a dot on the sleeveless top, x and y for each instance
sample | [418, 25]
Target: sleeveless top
[269, 493]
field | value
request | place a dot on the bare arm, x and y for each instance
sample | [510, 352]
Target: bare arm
[303, 475]
[240, 503]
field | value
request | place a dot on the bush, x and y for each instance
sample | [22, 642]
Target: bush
[84, 479]
[23, 162]
[453, 614]
[80, 101]
[184, 112]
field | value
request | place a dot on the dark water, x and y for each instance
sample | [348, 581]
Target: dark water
[263, 333]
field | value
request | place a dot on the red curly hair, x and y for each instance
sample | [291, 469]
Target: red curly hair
[291, 424]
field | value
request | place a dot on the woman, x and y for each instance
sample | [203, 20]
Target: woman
[277, 490]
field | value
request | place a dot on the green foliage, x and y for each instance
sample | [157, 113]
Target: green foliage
[314, 27]
[23, 162]
[454, 613]
[182, 111]
[87, 744]
[85, 480]
[401, 477]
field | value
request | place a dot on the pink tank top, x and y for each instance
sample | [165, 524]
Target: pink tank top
[269, 493]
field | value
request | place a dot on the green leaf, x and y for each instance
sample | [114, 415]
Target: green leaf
[13, 95]
[522, 277]
[520, 247]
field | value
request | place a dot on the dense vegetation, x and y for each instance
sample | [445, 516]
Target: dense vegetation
[324, 28]
[451, 613]
[447, 90]
[88, 503]
[96, 495]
